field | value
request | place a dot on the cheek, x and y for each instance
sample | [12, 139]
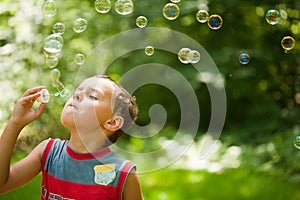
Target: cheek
[103, 112]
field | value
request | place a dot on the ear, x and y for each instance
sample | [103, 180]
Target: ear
[114, 124]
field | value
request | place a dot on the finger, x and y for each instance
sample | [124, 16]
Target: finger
[39, 111]
[31, 97]
[33, 90]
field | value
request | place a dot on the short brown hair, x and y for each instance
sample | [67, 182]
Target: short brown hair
[124, 105]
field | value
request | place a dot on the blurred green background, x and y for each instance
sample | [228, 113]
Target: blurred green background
[254, 157]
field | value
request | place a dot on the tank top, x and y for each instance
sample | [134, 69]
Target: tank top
[68, 175]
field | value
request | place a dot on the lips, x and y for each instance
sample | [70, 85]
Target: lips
[71, 105]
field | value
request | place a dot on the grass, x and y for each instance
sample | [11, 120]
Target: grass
[169, 184]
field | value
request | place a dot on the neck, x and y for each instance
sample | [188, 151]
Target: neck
[86, 143]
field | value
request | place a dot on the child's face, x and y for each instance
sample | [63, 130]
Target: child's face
[91, 105]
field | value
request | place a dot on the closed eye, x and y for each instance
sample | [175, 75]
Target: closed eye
[94, 97]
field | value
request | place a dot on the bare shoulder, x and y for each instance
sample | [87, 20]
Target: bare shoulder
[132, 188]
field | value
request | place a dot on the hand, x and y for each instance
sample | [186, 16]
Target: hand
[23, 112]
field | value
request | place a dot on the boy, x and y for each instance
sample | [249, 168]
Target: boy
[82, 167]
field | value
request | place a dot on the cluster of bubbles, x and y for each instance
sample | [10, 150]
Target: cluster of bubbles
[214, 22]
[53, 45]
[273, 17]
[55, 76]
[122, 7]
[186, 56]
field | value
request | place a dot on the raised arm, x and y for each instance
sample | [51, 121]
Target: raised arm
[23, 114]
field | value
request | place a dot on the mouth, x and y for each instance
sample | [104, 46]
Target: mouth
[72, 105]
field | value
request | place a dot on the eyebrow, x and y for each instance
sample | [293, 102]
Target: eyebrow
[97, 91]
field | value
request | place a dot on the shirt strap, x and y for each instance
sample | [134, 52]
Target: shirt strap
[47, 150]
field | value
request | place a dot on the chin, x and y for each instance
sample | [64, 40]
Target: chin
[67, 122]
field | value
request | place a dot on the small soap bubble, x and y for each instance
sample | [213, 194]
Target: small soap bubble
[288, 43]
[149, 50]
[102, 6]
[171, 11]
[49, 8]
[202, 16]
[79, 59]
[124, 7]
[184, 55]
[79, 25]
[244, 58]
[59, 86]
[55, 75]
[175, 1]
[53, 45]
[51, 62]
[141, 21]
[297, 142]
[272, 17]
[215, 22]
[64, 93]
[58, 28]
[194, 56]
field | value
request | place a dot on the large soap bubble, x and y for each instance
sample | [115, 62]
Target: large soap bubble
[53, 45]
[171, 11]
[273, 17]
[49, 8]
[124, 7]
[79, 25]
[288, 43]
[215, 22]
[202, 16]
[102, 6]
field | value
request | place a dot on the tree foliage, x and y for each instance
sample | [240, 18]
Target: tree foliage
[263, 97]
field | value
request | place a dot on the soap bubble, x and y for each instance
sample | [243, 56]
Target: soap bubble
[202, 16]
[79, 59]
[49, 8]
[141, 21]
[44, 96]
[149, 50]
[51, 62]
[272, 17]
[288, 43]
[58, 28]
[215, 22]
[171, 11]
[53, 45]
[194, 56]
[184, 55]
[124, 7]
[297, 142]
[175, 1]
[64, 93]
[55, 75]
[244, 58]
[102, 6]
[79, 25]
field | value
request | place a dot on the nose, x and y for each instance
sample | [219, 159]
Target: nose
[77, 96]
